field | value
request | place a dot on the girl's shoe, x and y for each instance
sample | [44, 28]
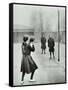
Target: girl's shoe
[32, 80]
[22, 82]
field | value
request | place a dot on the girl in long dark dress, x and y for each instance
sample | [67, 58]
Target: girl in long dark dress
[28, 65]
[24, 54]
[43, 44]
[32, 64]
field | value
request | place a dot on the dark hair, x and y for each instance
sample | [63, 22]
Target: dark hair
[32, 39]
[25, 38]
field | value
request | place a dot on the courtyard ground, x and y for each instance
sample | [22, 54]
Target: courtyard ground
[49, 70]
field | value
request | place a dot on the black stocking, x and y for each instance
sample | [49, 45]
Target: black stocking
[50, 55]
[42, 51]
[23, 74]
[32, 74]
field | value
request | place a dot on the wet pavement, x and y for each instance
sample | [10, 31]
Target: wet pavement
[49, 70]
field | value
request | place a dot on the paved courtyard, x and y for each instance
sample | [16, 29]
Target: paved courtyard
[49, 70]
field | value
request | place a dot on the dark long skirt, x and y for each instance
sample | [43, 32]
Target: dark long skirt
[43, 46]
[28, 65]
[51, 49]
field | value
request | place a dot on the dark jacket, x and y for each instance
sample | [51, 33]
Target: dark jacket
[30, 49]
[24, 48]
[51, 44]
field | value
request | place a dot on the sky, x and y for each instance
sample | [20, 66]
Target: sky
[35, 16]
